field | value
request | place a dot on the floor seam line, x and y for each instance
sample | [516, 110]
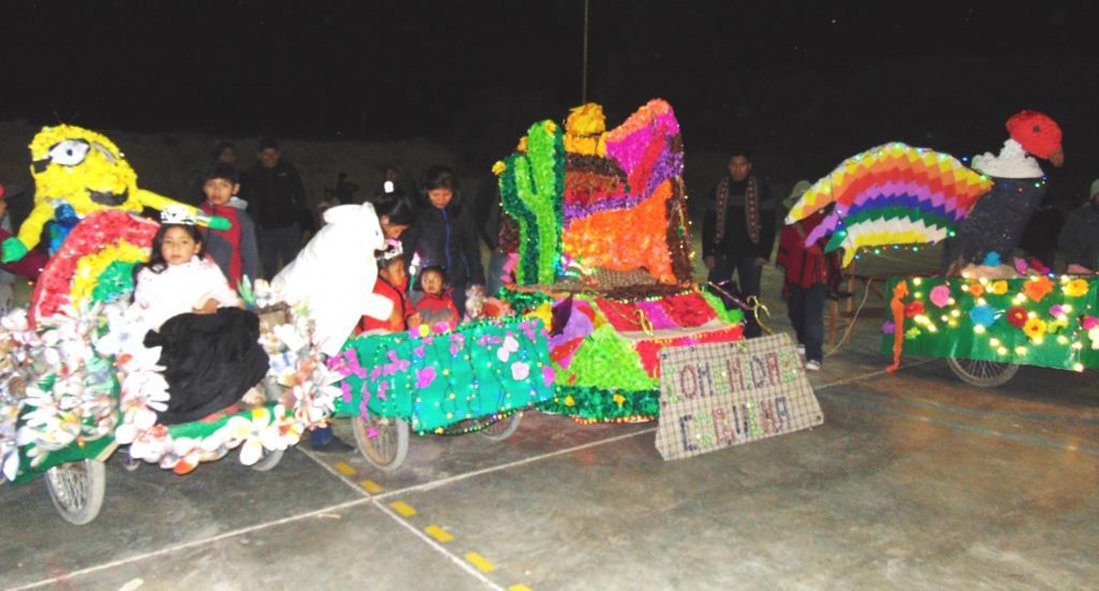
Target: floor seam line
[376, 500]
[438, 547]
[333, 472]
[445, 481]
[426, 486]
[193, 543]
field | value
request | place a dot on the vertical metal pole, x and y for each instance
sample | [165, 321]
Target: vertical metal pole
[584, 80]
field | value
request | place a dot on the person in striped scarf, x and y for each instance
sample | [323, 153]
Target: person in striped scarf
[738, 230]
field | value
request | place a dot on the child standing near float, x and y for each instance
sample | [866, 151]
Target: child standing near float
[234, 250]
[435, 304]
[444, 236]
[808, 273]
[209, 345]
[392, 284]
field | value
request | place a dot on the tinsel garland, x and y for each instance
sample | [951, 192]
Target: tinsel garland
[524, 301]
[729, 315]
[531, 186]
[604, 405]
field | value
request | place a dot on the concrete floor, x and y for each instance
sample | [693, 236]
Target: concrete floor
[915, 481]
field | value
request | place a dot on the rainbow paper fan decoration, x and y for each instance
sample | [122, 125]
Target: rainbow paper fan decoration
[94, 264]
[891, 194]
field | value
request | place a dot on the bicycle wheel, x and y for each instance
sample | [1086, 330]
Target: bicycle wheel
[500, 430]
[77, 490]
[983, 374]
[388, 446]
[269, 460]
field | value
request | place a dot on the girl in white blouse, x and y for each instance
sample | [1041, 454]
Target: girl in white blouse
[178, 278]
[209, 345]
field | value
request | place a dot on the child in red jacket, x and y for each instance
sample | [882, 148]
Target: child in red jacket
[808, 273]
[436, 304]
[392, 284]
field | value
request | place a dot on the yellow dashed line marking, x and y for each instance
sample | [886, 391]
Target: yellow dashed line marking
[403, 508]
[344, 468]
[483, 564]
[519, 587]
[371, 487]
[438, 533]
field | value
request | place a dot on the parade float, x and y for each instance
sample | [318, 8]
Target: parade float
[991, 312]
[436, 379]
[604, 258]
[77, 382]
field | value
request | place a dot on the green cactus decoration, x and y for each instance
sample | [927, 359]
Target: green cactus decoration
[531, 187]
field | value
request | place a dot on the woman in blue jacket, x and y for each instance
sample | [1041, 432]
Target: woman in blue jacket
[445, 236]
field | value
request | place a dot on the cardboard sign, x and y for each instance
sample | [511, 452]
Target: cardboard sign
[718, 395]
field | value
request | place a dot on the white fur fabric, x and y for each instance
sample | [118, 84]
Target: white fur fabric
[334, 275]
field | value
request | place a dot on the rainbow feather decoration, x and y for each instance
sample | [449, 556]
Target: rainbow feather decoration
[891, 194]
[94, 264]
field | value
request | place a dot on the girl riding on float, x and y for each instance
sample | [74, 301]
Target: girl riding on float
[209, 345]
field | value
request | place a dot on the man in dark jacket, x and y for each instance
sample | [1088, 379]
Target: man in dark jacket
[276, 197]
[738, 230]
[1079, 239]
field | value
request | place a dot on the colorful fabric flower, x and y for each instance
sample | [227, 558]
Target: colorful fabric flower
[1017, 316]
[913, 308]
[940, 295]
[1076, 288]
[983, 315]
[1038, 288]
[1034, 327]
[975, 289]
[998, 287]
[425, 377]
[888, 327]
[520, 371]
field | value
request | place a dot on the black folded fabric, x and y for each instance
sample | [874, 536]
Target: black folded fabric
[211, 360]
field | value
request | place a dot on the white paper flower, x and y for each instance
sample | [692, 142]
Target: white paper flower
[9, 448]
[257, 432]
[151, 445]
[291, 337]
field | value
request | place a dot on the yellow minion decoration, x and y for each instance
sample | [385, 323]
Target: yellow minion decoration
[78, 172]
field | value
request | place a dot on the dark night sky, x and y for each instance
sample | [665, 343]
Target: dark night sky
[809, 85]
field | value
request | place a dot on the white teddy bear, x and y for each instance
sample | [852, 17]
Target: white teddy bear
[334, 275]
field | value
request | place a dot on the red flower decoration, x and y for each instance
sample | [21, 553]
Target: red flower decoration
[913, 308]
[1017, 317]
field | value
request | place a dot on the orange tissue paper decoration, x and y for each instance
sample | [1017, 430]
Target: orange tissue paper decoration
[1038, 287]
